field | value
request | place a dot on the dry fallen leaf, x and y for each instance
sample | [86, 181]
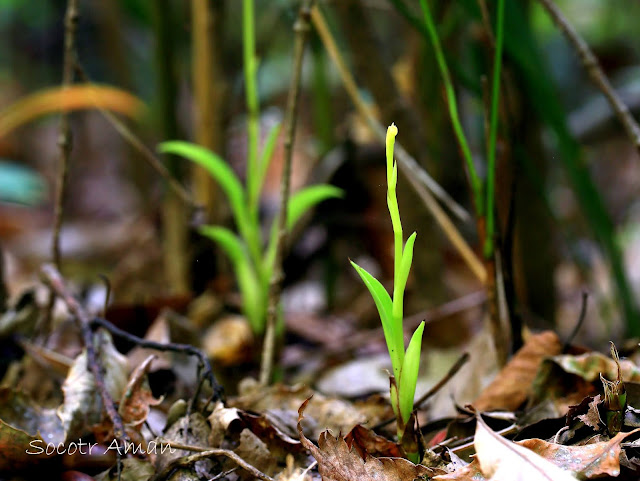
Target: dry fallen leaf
[82, 405]
[503, 460]
[365, 441]
[336, 462]
[590, 460]
[512, 385]
[137, 398]
[330, 413]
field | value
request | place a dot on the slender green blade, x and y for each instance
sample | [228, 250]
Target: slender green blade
[409, 373]
[405, 264]
[392, 331]
[307, 198]
[248, 282]
[220, 171]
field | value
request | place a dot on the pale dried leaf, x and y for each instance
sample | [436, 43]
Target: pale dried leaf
[256, 453]
[590, 460]
[159, 331]
[592, 416]
[82, 405]
[590, 365]
[503, 460]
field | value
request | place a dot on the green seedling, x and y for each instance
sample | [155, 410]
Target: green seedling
[253, 263]
[615, 397]
[405, 363]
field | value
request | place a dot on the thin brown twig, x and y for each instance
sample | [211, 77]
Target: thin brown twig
[65, 141]
[409, 167]
[579, 322]
[595, 72]
[205, 453]
[301, 28]
[205, 365]
[462, 360]
[53, 278]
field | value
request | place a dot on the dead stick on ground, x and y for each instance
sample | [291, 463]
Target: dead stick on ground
[53, 278]
[65, 143]
[409, 167]
[65, 140]
[301, 29]
[204, 453]
[598, 77]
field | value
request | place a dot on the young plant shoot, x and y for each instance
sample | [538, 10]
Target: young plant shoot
[253, 262]
[405, 363]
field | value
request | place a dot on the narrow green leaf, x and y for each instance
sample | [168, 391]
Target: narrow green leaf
[248, 282]
[306, 198]
[220, 171]
[409, 373]
[392, 332]
[299, 203]
[405, 264]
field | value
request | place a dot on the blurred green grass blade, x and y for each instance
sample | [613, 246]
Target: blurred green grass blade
[252, 301]
[392, 331]
[521, 49]
[493, 133]
[405, 264]
[307, 198]
[409, 373]
[299, 204]
[219, 170]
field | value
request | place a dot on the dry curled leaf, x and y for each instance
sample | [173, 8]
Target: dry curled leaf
[336, 462]
[365, 441]
[82, 405]
[504, 460]
[137, 398]
[591, 460]
[512, 385]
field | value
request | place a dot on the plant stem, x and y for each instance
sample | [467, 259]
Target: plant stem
[173, 214]
[301, 29]
[476, 184]
[65, 140]
[493, 133]
[208, 93]
[251, 91]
